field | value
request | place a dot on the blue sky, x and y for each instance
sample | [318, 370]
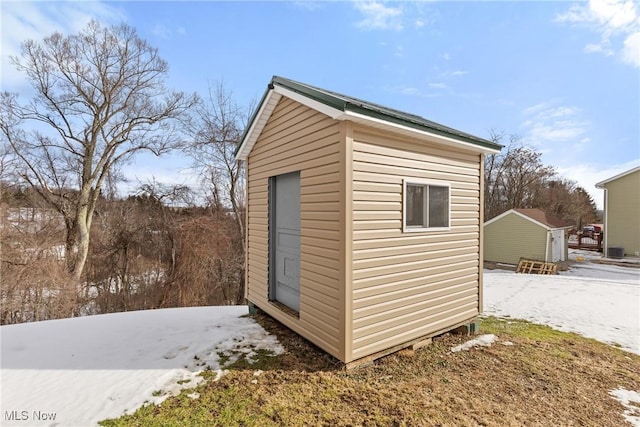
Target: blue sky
[564, 76]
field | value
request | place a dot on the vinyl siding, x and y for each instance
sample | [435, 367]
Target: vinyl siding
[511, 237]
[623, 213]
[410, 285]
[297, 138]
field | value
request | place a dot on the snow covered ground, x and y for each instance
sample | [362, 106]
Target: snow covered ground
[76, 372]
[595, 300]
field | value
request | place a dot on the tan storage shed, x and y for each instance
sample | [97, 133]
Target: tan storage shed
[363, 222]
[622, 214]
[526, 233]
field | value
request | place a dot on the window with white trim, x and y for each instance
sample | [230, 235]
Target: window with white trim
[426, 206]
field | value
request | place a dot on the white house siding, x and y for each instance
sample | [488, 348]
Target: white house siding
[297, 138]
[407, 285]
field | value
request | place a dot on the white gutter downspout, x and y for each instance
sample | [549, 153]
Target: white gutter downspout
[546, 250]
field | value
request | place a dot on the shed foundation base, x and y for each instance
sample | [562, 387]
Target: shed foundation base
[470, 328]
[253, 309]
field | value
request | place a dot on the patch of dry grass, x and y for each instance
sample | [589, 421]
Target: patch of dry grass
[545, 378]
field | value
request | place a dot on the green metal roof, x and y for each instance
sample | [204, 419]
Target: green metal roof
[354, 105]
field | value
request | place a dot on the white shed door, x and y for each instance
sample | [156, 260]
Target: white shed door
[557, 243]
[284, 251]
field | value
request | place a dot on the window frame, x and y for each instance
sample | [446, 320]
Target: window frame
[425, 184]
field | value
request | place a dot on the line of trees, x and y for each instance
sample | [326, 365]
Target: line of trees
[517, 178]
[150, 250]
[71, 247]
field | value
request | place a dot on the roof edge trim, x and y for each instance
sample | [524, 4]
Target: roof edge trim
[601, 184]
[267, 105]
[338, 107]
[545, 226]
[420, 133]
[309, 102]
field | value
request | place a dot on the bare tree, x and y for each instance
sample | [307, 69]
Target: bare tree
[131, 253]
[565, 199]
[585, 209]
[35, 284]
[516, 178]
[100, 97]
[209, 265]
[216, 133]
[513, 178]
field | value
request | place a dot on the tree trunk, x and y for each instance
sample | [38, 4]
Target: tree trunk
[83, 251]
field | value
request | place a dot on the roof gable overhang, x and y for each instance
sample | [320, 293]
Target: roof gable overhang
[602, 184]
[339, 109]
[528, 218]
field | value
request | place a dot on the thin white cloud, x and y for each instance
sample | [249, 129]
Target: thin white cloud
[631, 50]
[549, 126]
[576, 13]
[616, 21]
[36, 20]
[414, 91]
[458, 73]
[441, 83]
[388, 15]
[409, 90]
[614, 13]
[535, 109]
[377, 16]
[166, 32]
[588, 174]
[438, 85]
[161, 31]
[454, 73]
[582, 144]
[598, 48]
[560, 131]
[309, 5]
